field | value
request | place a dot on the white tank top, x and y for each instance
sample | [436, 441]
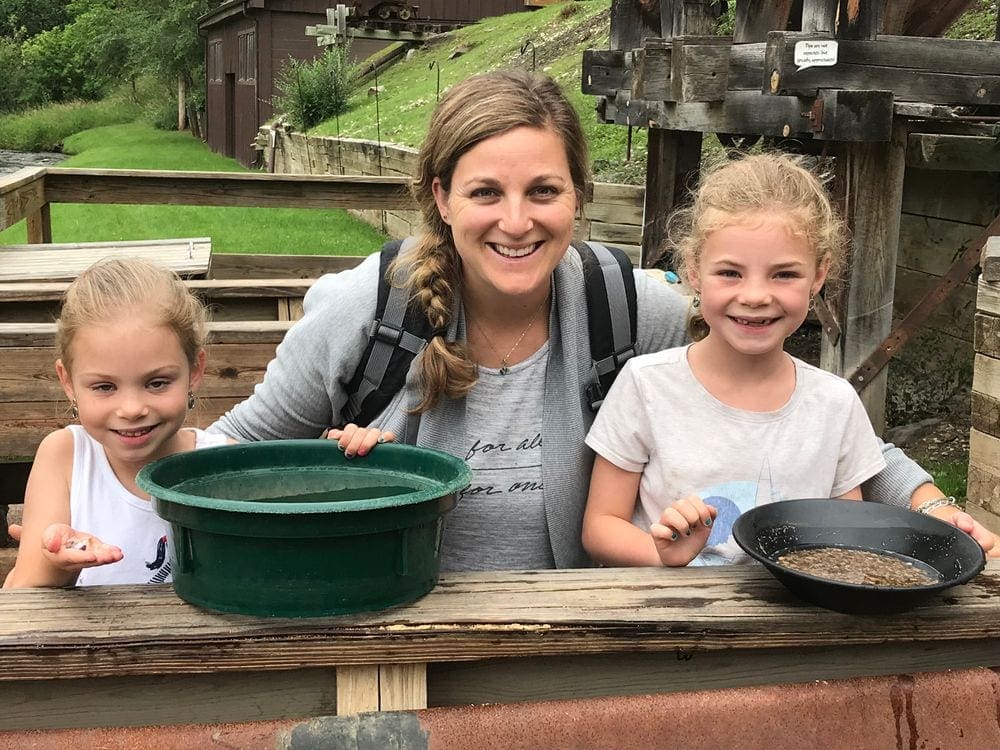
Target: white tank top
[101, 506]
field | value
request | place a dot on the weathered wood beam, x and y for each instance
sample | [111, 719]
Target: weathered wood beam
[990, 263]
[859, 19]
[755, 18]
[931, 18]
[871, 175]
[913, 69]
[819, 16]
[682, 69]
[678, 17]
[226, 189]
[631, 22]
[953, 152]
[22, 195]
[606, 71]
[851, 115]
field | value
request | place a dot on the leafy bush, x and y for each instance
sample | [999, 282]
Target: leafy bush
[311, 92]
[59, 66]
[12, 80]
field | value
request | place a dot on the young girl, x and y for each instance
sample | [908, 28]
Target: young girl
[130, 345]
[691, 437]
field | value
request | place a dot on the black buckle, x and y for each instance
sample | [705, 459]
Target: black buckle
[386, 333]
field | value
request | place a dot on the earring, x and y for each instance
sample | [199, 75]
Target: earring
[812, 302]
[190, 399]
[696, 301]
[74, 412]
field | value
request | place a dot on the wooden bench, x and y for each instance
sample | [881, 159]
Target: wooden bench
[189, 257]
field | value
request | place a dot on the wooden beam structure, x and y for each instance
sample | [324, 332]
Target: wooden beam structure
[857, 101]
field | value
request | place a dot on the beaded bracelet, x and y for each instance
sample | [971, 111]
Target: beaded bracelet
[938, 502]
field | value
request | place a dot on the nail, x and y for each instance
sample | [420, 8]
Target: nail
[340, 447]
[687, 533]
[708, 522]
[673, 536]
[381, 438]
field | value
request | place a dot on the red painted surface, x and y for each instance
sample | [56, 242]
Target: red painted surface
[958, 709]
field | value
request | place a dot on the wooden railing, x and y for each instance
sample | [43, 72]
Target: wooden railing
[28, 194]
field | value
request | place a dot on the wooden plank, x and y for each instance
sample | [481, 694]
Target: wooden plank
[953, 152]
[605, 72]
[911, 69]
[986, 413]
[672, 161]
[139, 187]
[990, 261]
[858, 19]
[65, 261]
[819, 16]
[227, 331]
[615, 213]
[931, 245]
[631, 23]
[133, 630]
[681, 670]
[261, 266]
[39, 229]
[629, 234]
[755, 18]
[872, 174]
[357, 689]
[141, 701]
[987, 334]
[209, 289]
[21, 195]
[969, 197]
[988, 297]
[986, 375]
[627, 195]
[402, 687]
[699, 69]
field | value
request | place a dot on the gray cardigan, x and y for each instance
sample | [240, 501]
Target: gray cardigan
[305, 385]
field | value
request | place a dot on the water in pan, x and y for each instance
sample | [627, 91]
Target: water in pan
[859, 566]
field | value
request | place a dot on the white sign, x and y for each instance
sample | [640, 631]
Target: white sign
[821, 53]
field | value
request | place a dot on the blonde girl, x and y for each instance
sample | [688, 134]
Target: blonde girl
[130, 345]
[693, 436]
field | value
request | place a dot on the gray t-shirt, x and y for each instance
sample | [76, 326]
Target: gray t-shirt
[499, 521]
[660, 421]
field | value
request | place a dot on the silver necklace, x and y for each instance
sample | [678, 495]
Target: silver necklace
[504, 367]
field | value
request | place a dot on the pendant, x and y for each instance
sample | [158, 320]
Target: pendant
[504, 370]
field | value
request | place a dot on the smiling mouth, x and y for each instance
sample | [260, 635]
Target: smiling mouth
[514, 252]
[753, 322]
[134, 433]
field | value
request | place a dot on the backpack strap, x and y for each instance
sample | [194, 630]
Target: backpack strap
[611, 315]
[399, 333]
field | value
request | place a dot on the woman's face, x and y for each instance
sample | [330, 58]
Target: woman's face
[511, 209]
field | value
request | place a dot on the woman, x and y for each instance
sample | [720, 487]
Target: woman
[501, 179]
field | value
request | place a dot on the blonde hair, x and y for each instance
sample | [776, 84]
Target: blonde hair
[114, 288]
[773, 183]
[480, 107]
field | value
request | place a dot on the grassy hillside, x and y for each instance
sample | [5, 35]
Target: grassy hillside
[558, 35]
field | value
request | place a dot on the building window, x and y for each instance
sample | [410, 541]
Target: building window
[215, 70]
[247, 68]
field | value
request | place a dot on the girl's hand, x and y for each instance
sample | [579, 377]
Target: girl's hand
[72, 551]
[683, 530]
[358, 441]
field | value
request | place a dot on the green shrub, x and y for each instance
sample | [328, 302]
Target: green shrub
[311, 92]
[12, 80]
[44, 129]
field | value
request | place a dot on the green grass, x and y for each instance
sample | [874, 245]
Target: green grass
[232, 230]
[559, 33]
[951, 477]
[43, 129]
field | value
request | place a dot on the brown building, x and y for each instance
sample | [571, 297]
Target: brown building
[247, 41]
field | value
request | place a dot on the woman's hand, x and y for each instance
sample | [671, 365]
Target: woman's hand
[358, 441]
[72, 551]
[683, 530]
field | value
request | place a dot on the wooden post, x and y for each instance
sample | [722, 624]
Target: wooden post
[872, 177]
[386, 687]
[819, 16]
[631, 22]
[859, 19]
[673, 156]
[754, 18]
[181, 103]
[40, 225]
[671, 167]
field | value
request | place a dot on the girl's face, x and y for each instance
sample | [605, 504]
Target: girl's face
[130, 381]
[511, 208]
[755, 279]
